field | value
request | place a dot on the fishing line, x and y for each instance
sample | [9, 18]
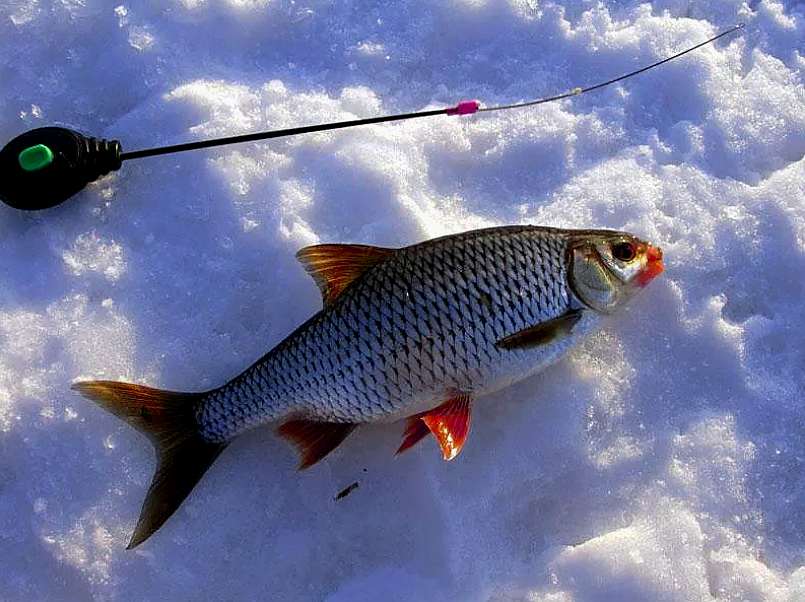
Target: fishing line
[577, 91]
[45, 166]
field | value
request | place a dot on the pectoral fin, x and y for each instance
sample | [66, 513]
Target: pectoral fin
[449, 423]
[335, 267]
[541, 334]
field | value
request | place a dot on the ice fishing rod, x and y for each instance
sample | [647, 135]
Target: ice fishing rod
[45, 166]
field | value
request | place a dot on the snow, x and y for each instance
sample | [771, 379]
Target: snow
[661, 460]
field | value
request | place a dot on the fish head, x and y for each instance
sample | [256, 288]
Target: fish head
[608, 268]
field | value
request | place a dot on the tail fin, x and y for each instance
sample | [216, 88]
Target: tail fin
[168, 419]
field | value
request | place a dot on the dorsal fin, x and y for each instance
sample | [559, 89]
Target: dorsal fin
[335, 267]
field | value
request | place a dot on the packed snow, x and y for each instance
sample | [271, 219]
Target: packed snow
[662, 460]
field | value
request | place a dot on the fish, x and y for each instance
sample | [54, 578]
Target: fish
[415, 333]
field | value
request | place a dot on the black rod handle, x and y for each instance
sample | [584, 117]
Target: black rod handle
[46, 166]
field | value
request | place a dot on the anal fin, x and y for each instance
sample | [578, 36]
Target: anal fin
[314, 439]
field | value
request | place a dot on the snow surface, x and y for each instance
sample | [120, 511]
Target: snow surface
[662, 460]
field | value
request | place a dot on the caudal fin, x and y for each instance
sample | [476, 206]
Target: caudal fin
[183, 455]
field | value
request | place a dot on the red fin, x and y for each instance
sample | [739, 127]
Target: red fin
[414, 433]
[449, 423]
[335, 267]
[168, 419]
[314, 439]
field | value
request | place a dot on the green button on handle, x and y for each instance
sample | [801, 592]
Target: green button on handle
[36, 157]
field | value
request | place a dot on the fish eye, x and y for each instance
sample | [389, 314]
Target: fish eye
[624, 251]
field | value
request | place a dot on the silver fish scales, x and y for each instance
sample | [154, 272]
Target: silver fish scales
[415, 333]
[420, 323]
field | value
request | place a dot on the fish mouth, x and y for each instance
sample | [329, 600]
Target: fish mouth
[653, 266]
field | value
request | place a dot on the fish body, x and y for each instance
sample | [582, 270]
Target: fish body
[415, 333]
[421, 322]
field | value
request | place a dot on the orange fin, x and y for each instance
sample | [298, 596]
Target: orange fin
[414, 433]
[541, 334]
[335, 267]
[449, 423]
[168, 419]
[314, 439]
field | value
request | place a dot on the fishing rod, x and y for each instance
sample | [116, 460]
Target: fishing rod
[44, 167]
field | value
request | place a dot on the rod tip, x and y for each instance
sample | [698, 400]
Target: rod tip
[465, 107]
